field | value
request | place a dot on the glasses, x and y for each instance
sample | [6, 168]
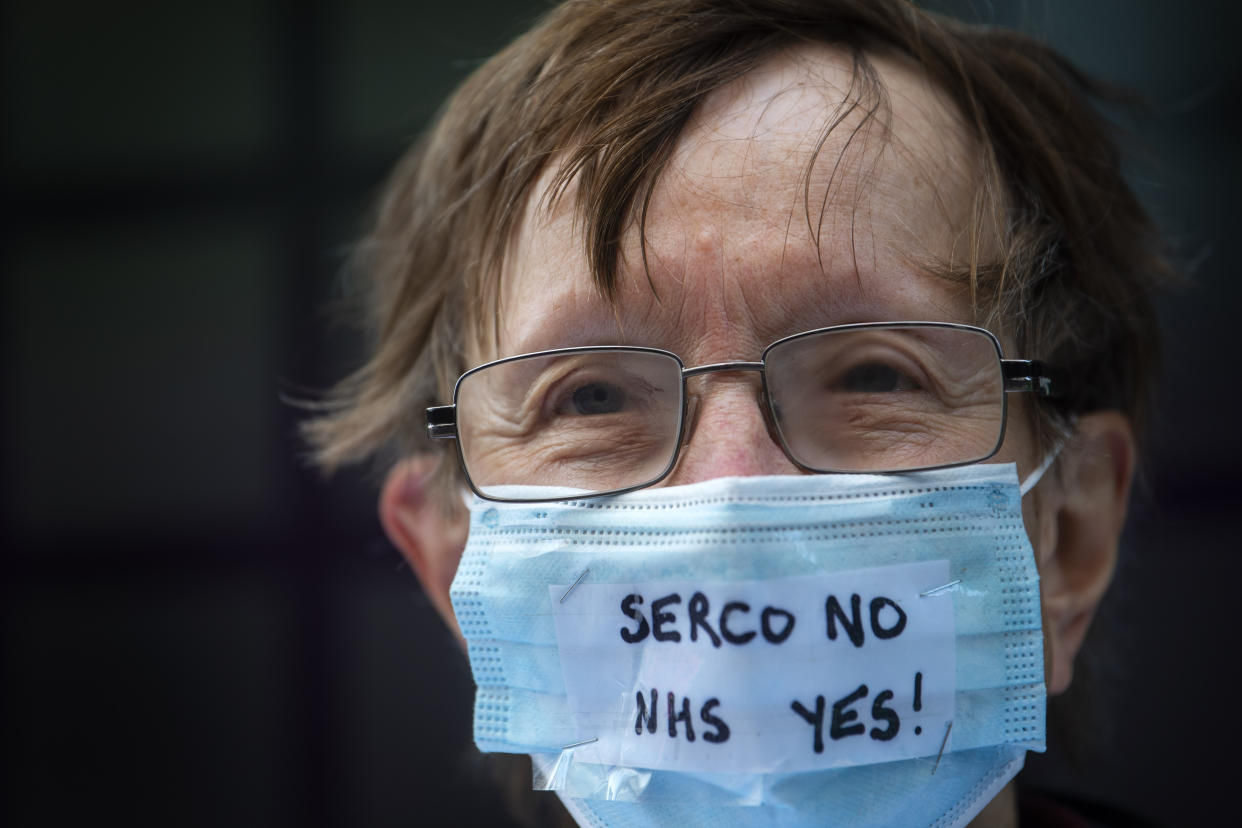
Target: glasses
[868, 398]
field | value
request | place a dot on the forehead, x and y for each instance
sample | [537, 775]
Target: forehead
[800, 195]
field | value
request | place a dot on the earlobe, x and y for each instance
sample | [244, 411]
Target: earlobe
[1096, 470]
[416, 522]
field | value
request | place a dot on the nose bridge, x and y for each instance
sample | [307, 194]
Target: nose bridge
[729, 431]
[695, 399]
[715, 367]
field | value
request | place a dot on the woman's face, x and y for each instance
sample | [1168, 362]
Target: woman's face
[737, 259]
[748, 241]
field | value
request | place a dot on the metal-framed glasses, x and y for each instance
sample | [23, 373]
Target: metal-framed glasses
[866, 398]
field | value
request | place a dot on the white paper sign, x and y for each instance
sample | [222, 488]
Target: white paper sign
[780, 675]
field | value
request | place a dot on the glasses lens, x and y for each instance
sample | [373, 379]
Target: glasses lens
[887, 399]
[591, 421]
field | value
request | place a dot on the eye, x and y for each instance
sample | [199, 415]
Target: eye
[597, 398]
[875, 378]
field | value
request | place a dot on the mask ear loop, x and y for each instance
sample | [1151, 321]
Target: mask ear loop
[1033, 478]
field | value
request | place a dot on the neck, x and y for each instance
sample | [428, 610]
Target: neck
[1001, 812]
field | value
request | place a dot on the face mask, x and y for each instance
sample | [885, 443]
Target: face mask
[794, 650]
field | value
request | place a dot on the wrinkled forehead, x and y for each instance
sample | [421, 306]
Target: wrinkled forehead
[844, 168]
[874, 133]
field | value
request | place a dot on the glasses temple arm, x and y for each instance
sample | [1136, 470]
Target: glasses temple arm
[1028, 375]
[442, 422]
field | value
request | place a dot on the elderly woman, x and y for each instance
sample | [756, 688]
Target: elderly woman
[787, 357]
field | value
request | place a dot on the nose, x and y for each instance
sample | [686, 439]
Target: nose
[728, 435]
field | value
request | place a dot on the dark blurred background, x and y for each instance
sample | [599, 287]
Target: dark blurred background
[195, 629]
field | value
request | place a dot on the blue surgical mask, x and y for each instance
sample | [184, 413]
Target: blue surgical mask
[793, 650]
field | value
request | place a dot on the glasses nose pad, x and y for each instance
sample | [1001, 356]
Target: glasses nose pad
[690, 419]
[771, 417]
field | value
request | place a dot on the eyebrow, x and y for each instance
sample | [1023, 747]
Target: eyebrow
[567, 325]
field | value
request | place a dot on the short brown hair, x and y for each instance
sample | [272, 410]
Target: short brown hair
[605, 87]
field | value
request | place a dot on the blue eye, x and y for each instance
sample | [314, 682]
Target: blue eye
[875, 378]
[598, 398]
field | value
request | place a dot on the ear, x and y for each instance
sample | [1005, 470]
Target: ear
[1096, 468]
[431, 540]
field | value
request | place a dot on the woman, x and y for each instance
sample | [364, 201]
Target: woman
[762, 544]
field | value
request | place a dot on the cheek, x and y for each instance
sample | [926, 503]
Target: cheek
[1019, 448]
[1019, 445]
[1041, 529]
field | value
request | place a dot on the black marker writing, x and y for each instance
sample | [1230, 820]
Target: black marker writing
[842, 713]
[726, 630]
[775, 624]
[648, 717]
[844, 721]
[659, 618]
[720, 733]
[675, 717]
[698, 618]
[627, 608]
[877, 606]
[642, 713]
[886, 714]
[854, 628]
[815, 720]
[852, 623]
[765, 623]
